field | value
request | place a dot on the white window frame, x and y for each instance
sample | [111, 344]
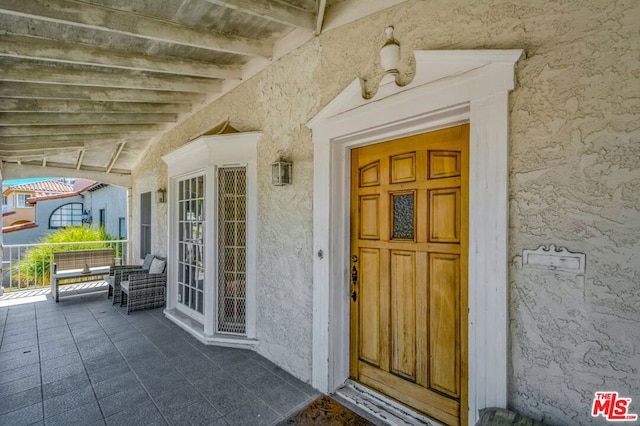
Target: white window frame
[24, 197]
[172, 260]
[203, 156]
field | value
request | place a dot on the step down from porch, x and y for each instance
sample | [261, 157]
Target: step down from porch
[380, 406]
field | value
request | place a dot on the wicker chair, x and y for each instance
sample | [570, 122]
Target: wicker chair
[117, 274]
[143, 291]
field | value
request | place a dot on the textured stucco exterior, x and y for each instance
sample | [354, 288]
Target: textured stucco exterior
[574, 182]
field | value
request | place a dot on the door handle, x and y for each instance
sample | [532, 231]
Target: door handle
[354, 275]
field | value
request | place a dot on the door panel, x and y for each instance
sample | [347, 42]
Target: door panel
[409, 227]
[403, 314]
[370, 297]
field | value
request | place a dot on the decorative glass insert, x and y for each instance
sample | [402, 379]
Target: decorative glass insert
[191, 222]
[232, 250]
[403, 217]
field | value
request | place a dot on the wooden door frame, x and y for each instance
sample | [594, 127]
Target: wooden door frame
[449, 88]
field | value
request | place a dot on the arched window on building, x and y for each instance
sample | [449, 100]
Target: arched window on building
[66, 215]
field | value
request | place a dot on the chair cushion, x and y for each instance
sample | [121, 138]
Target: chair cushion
[157, 266]
[148, 259]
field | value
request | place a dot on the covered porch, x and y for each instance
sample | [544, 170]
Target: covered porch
[85, 361]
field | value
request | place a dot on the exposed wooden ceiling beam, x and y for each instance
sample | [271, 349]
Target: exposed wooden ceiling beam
[103, 19]
[79, 160]
[45, 118]
[28, 147]
[16, 46]
[57, 105]
[272, 11]
[33, 155]
[59, 91]
[39, 73]
[114, 156]
[92, 129]
[322, 7]
[53, 138]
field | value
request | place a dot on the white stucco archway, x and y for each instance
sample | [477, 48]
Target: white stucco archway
[449, 88]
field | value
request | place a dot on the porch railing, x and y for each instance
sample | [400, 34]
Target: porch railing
[28, 265]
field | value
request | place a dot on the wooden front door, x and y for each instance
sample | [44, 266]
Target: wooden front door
[409, 228]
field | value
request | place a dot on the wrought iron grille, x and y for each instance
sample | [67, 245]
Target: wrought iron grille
[232, 259]
[191, 222]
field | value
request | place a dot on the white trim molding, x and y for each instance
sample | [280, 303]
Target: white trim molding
[450, 87]
[204, 156]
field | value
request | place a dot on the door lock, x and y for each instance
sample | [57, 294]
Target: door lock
[354, 296]
[354, 275]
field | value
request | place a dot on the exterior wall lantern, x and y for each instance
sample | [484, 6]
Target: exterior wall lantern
[281, 172]
[161, 196]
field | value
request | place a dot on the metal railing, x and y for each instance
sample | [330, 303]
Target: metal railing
[27, 266]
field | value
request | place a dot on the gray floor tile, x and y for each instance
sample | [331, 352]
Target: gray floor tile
[20, 400]
[124, 400]
[200, 413]
[227, 396]
[31, 337]
[19, 373]
[139, 415]
[65, 385]
[17, 353]
[29, 415]
[103, 361]
[51, 375]
[52, 351]
[177, 399]
[19, 385]
[197, 368]
[256, 414]
[68, 401]
[158, 384]
[115, 384]
[85, 414]
[284, 399]
[61, 361]
[108, 371]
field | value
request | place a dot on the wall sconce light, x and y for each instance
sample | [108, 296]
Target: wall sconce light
[281, 172]
[161, 196]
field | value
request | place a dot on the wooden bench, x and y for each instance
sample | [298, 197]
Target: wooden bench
[78, 266]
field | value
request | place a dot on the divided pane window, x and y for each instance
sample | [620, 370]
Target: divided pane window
[66, 215]
[191, 233]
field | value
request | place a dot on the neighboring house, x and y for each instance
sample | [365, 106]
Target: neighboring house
[404, 254]
[94, 203]
[15, 198]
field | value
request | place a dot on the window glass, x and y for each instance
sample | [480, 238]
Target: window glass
[66, 215]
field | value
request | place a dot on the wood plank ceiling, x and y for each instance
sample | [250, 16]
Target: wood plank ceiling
[88, 85]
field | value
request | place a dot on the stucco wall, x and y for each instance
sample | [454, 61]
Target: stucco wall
[111, 198]
[574, 181]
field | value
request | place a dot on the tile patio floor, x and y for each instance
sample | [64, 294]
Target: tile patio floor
[83, 361]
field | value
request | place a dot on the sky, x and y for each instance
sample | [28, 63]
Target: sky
[21, 181]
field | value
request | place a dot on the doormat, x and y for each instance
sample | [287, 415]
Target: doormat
[325, 411]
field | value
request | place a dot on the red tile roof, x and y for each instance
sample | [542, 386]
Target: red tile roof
[44, 186]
